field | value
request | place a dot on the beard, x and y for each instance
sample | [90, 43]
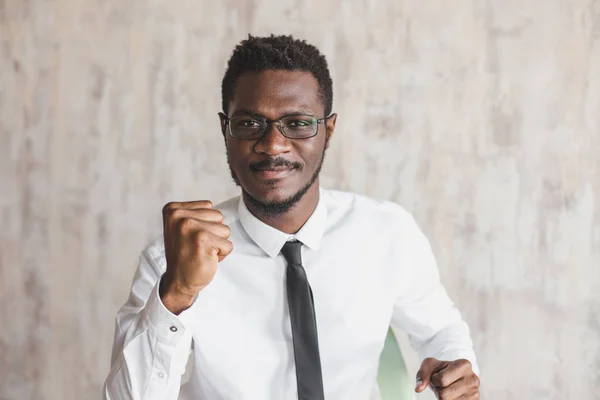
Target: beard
[277, 208]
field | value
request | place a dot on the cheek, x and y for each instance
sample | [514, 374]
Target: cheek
[235, 153]
[312, 155]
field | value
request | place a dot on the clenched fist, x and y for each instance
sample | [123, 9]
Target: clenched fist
[449, 380]
[196, 240]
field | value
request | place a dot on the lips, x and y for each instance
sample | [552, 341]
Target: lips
[275, 172]
[273, 168]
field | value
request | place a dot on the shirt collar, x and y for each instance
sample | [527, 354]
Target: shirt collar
[271, 240]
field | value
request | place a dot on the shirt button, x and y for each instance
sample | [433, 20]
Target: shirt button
[161, 375]
[173, 329]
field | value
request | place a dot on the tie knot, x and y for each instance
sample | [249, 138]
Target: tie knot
[291, 252]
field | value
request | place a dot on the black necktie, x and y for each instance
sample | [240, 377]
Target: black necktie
[304, 326]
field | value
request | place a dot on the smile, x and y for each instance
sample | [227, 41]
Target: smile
[274, 173]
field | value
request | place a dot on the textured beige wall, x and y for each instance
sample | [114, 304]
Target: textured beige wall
[480, 117]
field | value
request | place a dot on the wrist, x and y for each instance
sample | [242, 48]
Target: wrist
[174, 298]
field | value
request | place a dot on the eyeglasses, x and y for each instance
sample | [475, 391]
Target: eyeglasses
[290, 126]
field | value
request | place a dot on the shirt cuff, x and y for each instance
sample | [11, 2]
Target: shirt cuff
[168, 327]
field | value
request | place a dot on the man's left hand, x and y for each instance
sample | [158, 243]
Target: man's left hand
[450, 380]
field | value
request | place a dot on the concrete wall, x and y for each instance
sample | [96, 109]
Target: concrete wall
[480, 117]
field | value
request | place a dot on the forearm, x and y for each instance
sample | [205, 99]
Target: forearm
[450, 343]
[142, 372]
[423, 308]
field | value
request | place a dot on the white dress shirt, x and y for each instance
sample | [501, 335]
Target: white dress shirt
[369, 267]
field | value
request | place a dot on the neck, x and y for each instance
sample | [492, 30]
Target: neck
[291, 221]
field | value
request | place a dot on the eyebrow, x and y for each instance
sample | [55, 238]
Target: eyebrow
[243, 111]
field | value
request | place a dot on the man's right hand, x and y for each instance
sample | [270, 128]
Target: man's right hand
[196, 240]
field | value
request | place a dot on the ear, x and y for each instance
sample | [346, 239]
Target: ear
[223, 119]
[330, 128]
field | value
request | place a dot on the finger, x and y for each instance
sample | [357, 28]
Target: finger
[190, 225]
[453, 391]
[173, 205]
[424, 374]
[472, 395]
[466, 386]
[451, 373]
[214, 245]
[203, 214]
[225, 248]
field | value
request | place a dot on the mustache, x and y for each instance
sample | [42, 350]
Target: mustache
[270, 163]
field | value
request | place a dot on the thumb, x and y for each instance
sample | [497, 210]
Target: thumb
[424, 374]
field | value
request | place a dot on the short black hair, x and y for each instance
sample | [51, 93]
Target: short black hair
[281, 52]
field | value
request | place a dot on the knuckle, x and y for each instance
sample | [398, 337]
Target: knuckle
[217, 215]
[444, 381]
[201, 235]
[206, 203]
[175, 213]
[439, 379]
[227, 230]
[186, 225]
[443, 395]
[170, 206]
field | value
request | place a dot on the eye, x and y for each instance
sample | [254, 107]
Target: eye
[247, 123]
[299, 122]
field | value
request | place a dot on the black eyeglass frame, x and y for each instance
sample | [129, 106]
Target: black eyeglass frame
[277, 123]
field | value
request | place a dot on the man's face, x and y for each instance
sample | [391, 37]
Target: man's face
[275, 171]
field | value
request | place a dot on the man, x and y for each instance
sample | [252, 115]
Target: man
[287, 291]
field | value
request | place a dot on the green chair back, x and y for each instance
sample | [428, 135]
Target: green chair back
[392, 377]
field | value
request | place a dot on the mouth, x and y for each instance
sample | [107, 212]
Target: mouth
[274, 173]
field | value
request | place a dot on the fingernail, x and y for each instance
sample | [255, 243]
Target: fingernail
[419, 382]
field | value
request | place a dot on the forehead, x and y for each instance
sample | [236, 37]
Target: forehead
[274, 93]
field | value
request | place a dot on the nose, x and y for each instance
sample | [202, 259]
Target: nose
[273, 143]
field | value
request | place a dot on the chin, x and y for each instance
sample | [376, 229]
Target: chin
[276, 196]
[271, 190]
[270, 195]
